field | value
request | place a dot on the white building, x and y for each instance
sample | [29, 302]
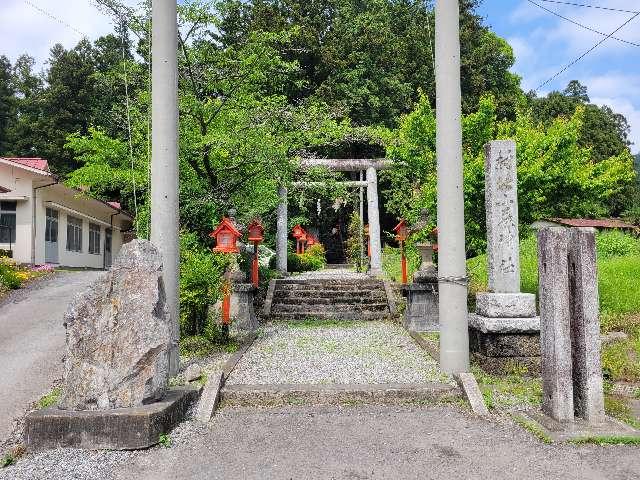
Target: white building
[42, 221]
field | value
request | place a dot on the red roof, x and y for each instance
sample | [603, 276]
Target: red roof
[595, 223]
[31, 162]
[115, 205]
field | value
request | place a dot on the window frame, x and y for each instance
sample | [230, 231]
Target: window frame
[7, 212]
[75, 226]
[94, 238]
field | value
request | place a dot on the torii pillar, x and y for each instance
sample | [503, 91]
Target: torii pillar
[373, 213]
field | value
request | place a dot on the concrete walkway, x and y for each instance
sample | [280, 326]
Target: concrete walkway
[373, 443]
[32, 342]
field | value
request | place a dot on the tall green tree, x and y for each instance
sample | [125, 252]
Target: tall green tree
[7, 103]
[603, 130]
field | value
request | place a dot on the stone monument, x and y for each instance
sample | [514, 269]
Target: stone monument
[505, 330]
[421, 313]
[572, 388]
[116, 367]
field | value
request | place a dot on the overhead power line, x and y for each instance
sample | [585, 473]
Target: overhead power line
[54, 18]
[573, 4]
[572, 63]
[582, 25]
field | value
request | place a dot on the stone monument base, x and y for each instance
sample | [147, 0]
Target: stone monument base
[243, 315]
[501, 344]
[579, 429]
[421, 313]
[116, 429]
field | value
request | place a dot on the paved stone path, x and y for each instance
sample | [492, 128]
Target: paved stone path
[350, 353]
[373, 443]
[32, 342]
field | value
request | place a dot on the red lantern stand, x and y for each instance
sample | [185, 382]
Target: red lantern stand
[297, 233]
[256, 235]
[226, 236]
[402, 233]
[303, 241]
[366, 234]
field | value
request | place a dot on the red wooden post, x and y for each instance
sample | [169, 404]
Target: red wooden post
[404, 263]
[226, 304]
[256, 235]
[402, 233]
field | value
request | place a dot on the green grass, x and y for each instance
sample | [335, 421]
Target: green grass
[200, 347]
[49, 399]
[617, 407]
[512, 390]
[533, 428]
[164, 440]
[607, 440]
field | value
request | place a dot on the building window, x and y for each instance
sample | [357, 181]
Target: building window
[8, 222]
[94, 239]
[74, 234]
[51, 229]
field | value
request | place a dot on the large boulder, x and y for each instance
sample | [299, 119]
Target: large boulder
[119, 335]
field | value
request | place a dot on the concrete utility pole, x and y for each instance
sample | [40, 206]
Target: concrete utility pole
[165, 216]
[454, 335]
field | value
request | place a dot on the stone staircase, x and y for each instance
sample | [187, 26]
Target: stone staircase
[335, 297]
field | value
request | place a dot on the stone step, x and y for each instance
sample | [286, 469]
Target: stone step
[328, 288]
[342, 302]
[286, 307]
[328, 281]
[335, 394]
[310, 294]
[330, 315]
[339, 266]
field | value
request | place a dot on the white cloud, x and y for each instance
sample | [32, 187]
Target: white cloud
[25, 29]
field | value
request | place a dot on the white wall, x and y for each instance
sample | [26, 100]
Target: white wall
[19, 182]
[69, 202]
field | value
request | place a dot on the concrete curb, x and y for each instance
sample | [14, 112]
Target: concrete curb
[471, 390]
[432, 350]
[268, 301]
[210, 397]
[391, 301]
[322, 394]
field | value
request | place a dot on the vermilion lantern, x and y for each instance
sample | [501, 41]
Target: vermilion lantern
[226, 236]
[299, 233]
[402, 233]
[256, 235]
[311, 240]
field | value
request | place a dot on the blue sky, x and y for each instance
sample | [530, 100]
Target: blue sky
[543, 43]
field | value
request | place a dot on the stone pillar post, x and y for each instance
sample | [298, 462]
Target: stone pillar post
[282, 232]
[555, 335]
[501, 198]
[588, 396]
[374, 221]
[505, 328]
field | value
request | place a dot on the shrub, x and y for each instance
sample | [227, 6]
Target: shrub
[313, 259]
[10, 275]
[200, 283]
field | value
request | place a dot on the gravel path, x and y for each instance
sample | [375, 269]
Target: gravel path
[32, 342]
[368, 352]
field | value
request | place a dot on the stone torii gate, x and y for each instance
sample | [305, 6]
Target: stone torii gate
[370, 166]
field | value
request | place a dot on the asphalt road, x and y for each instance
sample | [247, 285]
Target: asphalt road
[32, 340]
[374, 443]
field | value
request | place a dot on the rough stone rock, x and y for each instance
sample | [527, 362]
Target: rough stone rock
[192, 372]
[119, 335]
[504, 325]
[613, 337]
[506, 305]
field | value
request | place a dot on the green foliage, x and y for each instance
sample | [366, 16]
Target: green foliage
[556, 176]
[513, 390]
[312, 259]
[9, 277]
[200, 283]
[165, 440]
[356, 242]
[49, 399]
[7, 460]
[614, 243]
